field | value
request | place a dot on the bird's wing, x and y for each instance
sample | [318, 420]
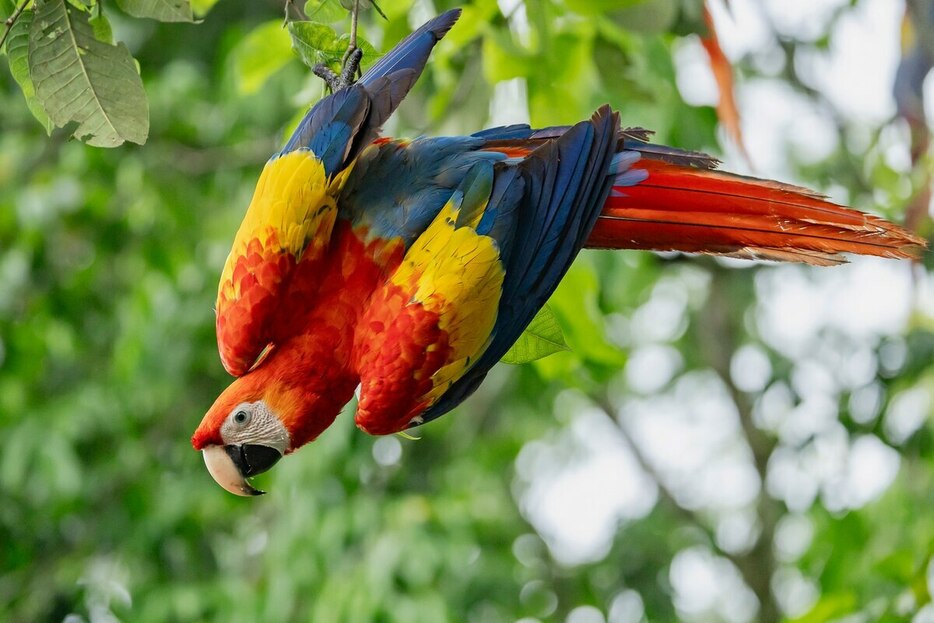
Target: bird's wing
[292, 213]
[476, 275]
[288, 222]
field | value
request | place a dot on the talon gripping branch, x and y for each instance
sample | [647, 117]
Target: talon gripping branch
[410, 267]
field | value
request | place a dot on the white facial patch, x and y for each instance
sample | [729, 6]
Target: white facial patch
[254, 423]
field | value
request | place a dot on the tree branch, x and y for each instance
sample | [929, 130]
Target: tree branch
[8, 24]
[666, 494]
[717, 337]
[717, 342]
[354, 17]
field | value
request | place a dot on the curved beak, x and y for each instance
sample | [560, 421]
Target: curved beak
[231, 465]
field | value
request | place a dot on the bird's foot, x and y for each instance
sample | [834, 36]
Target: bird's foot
[348, 75]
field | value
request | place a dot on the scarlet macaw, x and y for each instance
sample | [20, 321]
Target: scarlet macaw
[410, 267]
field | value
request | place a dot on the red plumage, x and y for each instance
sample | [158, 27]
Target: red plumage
[696, 210]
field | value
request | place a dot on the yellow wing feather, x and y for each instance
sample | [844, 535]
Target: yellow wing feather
[457, 274]
[446, 290]
[289, 221]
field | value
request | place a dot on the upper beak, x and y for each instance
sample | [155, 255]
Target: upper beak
[231, 465]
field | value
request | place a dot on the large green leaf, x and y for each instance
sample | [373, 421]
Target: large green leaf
[80, 79]
[261, 54]
[162, 10]
[17, 48]
[541, 338]
[325, 11]
[319, 43]
[103, 31]
[316, 43]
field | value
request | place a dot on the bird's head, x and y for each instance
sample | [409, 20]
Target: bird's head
[242, 435]
[268, 413]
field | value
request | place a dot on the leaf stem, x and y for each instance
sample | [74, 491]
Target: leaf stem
[8, 24]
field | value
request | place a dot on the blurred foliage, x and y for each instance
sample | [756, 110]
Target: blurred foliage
[108, 264]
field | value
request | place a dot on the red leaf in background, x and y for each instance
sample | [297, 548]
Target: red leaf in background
[727, 110]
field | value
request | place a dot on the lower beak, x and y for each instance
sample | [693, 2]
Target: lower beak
[231, 465]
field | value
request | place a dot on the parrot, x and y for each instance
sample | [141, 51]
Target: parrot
[403, 270]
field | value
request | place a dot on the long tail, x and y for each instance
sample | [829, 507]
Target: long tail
[680, 207]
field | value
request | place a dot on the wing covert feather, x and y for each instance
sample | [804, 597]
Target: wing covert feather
[434, 316]
[289, 221]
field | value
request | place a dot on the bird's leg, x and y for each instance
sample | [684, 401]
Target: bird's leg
[352, 67]
[337, 82]
[350, 63]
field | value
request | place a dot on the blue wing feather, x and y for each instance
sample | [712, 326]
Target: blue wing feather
[563, 187]
[412, 52]
[397, 188]
[339, 126]
[539, 209]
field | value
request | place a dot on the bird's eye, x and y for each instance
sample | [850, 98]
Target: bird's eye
[240, 417]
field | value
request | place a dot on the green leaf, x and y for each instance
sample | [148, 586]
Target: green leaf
[6, 9]
[102, 28]
[162, 10]
[17, 47]
[319, 43]
[325, 11]
[316, 43]
[261, 54]
[370, 53]
[201, 7]
[363, 4]
[541, 338]
[80, 79]
[576, 304]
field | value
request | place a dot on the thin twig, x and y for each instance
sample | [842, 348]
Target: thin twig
[354, 17]
[12, 20]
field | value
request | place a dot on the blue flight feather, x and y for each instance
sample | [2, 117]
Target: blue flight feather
[565, 184]
[341, 125]
[412, 52]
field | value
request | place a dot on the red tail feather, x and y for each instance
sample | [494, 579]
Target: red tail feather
[682, 208]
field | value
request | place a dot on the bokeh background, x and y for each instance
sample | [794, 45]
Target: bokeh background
[727, 441]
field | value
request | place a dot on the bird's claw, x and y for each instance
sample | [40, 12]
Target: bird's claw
[351, 65]
[348, 75]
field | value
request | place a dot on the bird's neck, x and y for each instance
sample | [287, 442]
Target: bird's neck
[308, 381]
